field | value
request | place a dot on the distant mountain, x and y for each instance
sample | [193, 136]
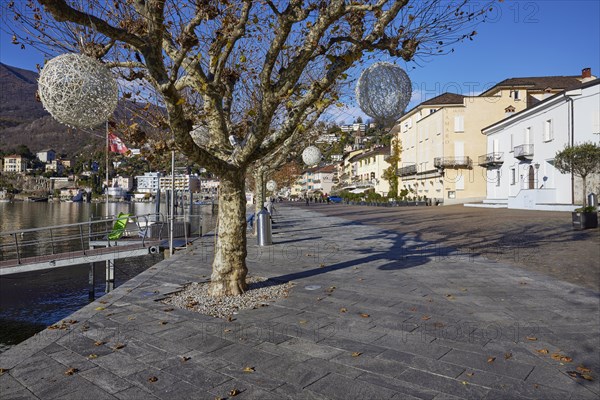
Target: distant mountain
[23, 119]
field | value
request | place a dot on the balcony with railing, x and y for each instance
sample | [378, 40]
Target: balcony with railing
[452, 162]
[523, 152]
[407, 170]
[491, 159]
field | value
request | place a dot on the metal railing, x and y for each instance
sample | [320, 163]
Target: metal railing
[67, 238]
[444, 162]
[491, 159]
[407, 170]
[523, 151]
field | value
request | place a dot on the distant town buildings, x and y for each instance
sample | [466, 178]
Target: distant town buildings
[14, 163]
[46, 155]
[186, 183]
[148, 183]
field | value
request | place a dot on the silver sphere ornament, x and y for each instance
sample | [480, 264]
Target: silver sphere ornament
[311, 155]
[78, 90]
[271, 186]
[383, 91]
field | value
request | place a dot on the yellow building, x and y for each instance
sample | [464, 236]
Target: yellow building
[14, 163]
[367, 170]
[442, 141]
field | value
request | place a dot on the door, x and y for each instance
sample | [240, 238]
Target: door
[531, 178]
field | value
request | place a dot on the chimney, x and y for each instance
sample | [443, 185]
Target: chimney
[586, 73]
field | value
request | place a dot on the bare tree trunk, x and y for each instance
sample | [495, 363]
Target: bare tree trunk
[229, 266]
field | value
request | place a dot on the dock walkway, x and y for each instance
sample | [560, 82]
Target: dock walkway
[374, 314]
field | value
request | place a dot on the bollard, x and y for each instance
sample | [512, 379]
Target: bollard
[592, 200]
[263, 228]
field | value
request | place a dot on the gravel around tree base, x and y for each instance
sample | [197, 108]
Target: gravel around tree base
[260, 292]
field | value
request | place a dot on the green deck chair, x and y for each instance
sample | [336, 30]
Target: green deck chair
[119, 227]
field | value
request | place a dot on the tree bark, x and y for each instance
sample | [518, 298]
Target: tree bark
[229, 265]
[584, 199]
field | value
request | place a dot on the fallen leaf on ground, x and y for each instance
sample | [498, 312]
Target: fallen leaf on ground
[491, 359]
[119, 346]
[449, 297]
[330, 289]
[234, 392]
[131, 318]
[3, 370]
[322, 265]
[227, 330]
[102, 301]
[463, 289]
[168, 309]
[576, 374]
[71, 371]
[465, 383]
[522, 283]
[531, 338]
[365, 315]
[413, 309]
[507, 356]
[303, 322]
[152, 379]
[163, 322]
[438, 325]
[98, 343]
[561, 357]
[356, 354]
[343, 309]
[543, 351]
[361, 279]
[425, 317]
[583, 369]
[92, 356]
[99, 308]
[185, 358]
[230, 318]
[470, 374]
[249, 369]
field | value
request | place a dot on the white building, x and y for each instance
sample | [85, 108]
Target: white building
[46, 155]
[521, 150]
[367, 171]
[328, 138]
[148, 183]
[209, 187]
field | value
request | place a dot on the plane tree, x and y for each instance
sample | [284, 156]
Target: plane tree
[246, 74]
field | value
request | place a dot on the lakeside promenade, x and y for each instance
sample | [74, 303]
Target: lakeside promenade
[374, 314]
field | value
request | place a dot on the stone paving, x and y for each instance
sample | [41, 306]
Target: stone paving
[374, 314]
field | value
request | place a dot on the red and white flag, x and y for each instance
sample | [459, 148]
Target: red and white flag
[116, 145]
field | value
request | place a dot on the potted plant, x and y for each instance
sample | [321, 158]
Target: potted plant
[581, 160]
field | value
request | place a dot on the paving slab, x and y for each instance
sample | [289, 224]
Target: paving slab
[423, 318]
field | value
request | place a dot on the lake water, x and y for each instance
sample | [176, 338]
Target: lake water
[30, 302]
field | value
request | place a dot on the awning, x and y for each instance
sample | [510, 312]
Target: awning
[359, 190]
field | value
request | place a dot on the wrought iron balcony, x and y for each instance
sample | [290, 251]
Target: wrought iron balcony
[408, 170]
[491, 159]
[523, 152]
[452, 162]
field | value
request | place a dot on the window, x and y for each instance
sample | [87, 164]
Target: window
[528, 138]
[459, 123]
[513, 176]
[498, 177]
[548, 132]
[516, 94]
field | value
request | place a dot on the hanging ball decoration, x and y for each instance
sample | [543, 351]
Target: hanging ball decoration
[383, 91]
[311, 155]
[78, 90]
[271, 186]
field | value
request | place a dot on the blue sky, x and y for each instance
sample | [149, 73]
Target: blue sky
[523, 38]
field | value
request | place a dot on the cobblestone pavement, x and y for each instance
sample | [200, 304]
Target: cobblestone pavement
[374, 314]
[540, 241]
